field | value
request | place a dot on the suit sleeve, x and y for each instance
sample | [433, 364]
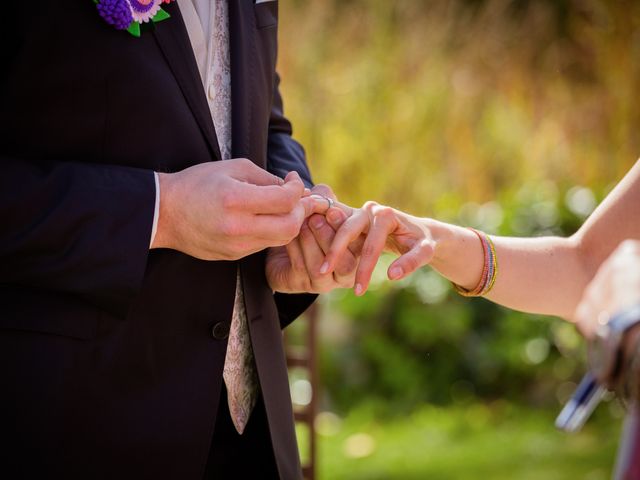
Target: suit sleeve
[76, 228]
[284, 155]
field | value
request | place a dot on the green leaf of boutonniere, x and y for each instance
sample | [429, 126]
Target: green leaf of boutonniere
[161, 15]
[134, 29]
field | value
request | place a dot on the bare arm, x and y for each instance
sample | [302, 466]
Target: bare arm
[548, 275]
[542, 275]
[537, 275]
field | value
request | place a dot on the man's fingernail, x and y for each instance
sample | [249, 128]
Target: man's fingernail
[293, 175]
[358, 289]
[395, 272]
[324, 268]
[316, 222]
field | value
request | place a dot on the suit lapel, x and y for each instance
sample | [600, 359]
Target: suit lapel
[173, 40]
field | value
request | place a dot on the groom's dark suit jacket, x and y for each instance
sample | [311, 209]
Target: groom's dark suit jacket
[111, 355]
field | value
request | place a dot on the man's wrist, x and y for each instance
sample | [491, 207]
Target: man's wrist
[163, 237]
[156, 211]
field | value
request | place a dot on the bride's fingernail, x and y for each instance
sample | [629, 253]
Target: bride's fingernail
[358, 289]
[395, 272]
[324, 268]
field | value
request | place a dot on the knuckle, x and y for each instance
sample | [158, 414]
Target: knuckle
[370, 206]
[323, 189]
[230, 228]
[384, 213]
[291, 200]
[299, 268]
[411, 263]
[368, 251]
[347, 267]
[228, 199]
[290, 229]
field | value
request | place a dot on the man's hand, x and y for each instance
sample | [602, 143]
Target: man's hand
[230, 209]
[296, 267]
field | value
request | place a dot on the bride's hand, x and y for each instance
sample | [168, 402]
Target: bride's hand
[385, 229]
[614, 288]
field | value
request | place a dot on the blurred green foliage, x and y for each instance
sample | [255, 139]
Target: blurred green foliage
[514, 116]
[427, 105]
[486, 113]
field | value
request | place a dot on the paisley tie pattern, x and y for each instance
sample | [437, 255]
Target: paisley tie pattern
[240, 375]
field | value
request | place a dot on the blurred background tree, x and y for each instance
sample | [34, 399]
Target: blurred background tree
[514, 116]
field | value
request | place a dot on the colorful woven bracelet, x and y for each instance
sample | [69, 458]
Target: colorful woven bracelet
[486, 253]
[489, 269]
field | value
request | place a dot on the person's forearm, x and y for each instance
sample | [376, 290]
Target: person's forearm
[543, 275]
[538, 275]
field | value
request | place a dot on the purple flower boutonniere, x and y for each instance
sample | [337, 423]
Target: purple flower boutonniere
[130, 14]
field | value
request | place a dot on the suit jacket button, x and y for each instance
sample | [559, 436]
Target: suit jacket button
[220, 331]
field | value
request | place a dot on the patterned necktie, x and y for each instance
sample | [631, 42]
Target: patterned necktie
[239, 373]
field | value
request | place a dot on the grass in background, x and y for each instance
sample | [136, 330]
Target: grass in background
[497, 442]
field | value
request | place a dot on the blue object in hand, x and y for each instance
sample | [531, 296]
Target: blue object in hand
[581, 404]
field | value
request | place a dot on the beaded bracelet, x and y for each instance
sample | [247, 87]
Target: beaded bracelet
[489, 269]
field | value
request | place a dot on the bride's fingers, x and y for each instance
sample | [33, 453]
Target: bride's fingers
[421, 254]
[335, 218]
[350, 230]
[313, 258]
[384, 223]
[324, 233]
